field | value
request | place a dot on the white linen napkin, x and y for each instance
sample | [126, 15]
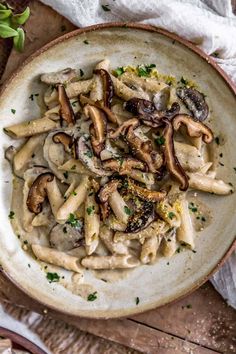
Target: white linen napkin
[210, 24]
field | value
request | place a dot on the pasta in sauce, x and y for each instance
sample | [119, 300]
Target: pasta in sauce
[107, 168]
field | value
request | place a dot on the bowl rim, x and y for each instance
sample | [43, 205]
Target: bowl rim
[129, 25]
[20, 340]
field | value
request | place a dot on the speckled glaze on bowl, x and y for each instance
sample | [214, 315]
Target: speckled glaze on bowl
[157, 284]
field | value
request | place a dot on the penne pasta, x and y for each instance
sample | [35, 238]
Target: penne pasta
[169, 245]
[106, 235]
[74, 89]
[91, 223]
[149, 249]
[110, 262]
[188, 156]
[32, 127]
[74, 200]
[147, 84]
[125, 92]
[22, 156]
[57, 258]
[169, 214]
[75, 166]
[208, 184]
[54, 196]
[118, 206]
[185, 233]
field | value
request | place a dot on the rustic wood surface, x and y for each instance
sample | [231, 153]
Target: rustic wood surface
[201, 323]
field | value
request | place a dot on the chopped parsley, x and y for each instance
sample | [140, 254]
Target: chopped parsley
[137, 300]
[127, 210]
[74, 103]
[90, 209]
[73, 167]
[92, 297]
[29, 265]
[64, 230]
[203, 218]
[25, 242]
[221, 155]
[192, 207]
[221, 164]
[215, 54]
[73, 221]
[74, 193]
[31, 97]
[63, 28]
[189, 306]
[119, 71]
[106, 8]
[32, 156]
[65, 174]
[145, 70]
[217, 140]
[160, 140]
[13, 111]
[11, 215]
[90, 193]
[53, 277]
[171, 215]
[234, 169]
[194, 251]
[89, 154]
[86, 42]
[178, 250]
[81, 72]
[183, 81]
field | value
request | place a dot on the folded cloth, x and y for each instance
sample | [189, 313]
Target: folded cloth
[210, 24]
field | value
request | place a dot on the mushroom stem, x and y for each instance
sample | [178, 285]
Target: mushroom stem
[171, 160]
[66, 110]
[194, 129]
[144, 193]
[108, 88]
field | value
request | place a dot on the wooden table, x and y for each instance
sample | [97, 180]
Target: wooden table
[202, 323]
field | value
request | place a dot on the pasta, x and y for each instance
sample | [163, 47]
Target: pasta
[108, 171]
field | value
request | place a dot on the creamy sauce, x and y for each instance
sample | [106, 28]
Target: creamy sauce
[199, 211]
[112, 275]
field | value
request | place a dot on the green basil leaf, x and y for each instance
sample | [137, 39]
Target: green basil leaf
[5, 14]
[19, 40]
[6, 21]
[20, 19]
[6, 31]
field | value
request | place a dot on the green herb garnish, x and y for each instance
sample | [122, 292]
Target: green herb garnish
[217, 140]
[183, 81]
[73, 167]
[74, 193]
[90, 209]
[81, 72]
[64, 230]
[73, 221]
[65, 174]
[92, 297]
[145, 70]
[89, 154]
[31, 97]
[106, 8]
[11, 215]
[86, 42]
[63, 28]
[171, 215]
[192, 207]
[119, 71]
[160, 140]
[137, 300]
[53, 277]
[13, 111]
[127, 210]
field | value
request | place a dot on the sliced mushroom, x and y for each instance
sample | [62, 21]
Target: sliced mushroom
[64, 139]
[98, 130]
[171, 160]
[66, 111]
[111, 116]
[141, 218]
[123, 165]
[108, 189]
[194, 129]
[86, 156]
[64, 237]
[38, 192]
[133, 122]
[144, 193]
[59, 77]
[108, 88]
[144, 151]
[145, 110]
[194, 101]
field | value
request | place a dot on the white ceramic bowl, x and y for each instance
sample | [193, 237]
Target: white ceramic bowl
[156, 284]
